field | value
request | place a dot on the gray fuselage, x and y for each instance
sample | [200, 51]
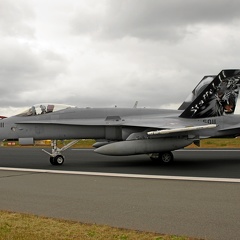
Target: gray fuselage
[114, 124]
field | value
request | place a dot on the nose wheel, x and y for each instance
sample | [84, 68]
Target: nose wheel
[56, 158]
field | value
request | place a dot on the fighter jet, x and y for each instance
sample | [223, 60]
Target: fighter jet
[207, 112]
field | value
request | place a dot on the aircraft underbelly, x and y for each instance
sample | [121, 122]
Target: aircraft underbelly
[44, 131]
[55, 131]
[71, 132]
[113, 133]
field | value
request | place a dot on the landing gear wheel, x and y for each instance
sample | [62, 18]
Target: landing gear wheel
[58, 160]
[162, 157]
[166, 157]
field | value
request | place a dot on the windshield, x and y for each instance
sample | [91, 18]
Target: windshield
[43, 108]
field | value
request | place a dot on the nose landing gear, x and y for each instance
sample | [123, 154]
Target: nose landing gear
[58, 160]
[56, 157]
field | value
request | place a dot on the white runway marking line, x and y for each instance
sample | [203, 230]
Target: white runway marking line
[122, 175]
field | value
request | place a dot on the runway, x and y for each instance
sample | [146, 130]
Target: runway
[200, 209]
[191, 163]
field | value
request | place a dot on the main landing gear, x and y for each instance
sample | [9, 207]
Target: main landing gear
[56, 158]
[162, 157]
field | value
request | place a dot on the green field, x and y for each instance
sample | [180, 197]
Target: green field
[218, 143]
[16, 226]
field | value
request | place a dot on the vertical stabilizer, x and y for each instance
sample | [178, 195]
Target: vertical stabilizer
[197, 91]
[217, 98]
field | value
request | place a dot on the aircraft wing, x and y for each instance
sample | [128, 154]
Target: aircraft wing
[169, 125]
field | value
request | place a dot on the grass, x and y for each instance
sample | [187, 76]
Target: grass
[83, 143]
[218, 143]
[16, 226]
[205, 143]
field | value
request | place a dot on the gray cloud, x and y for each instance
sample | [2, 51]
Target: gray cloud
[153, 19]
[105, 53]
[23, 70]
[26, 69]
[16, 18]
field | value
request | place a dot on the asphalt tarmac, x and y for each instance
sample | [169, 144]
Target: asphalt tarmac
[197, 163]
[209, 210]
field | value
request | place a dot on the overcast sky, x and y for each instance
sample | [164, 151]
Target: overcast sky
[102, 53]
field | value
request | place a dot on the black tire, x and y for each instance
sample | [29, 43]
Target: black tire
[52, 160]
[162, 158]
[57, 161]
[166, 158]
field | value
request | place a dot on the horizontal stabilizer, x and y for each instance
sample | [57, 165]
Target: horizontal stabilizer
[185, 129]
[232, 127]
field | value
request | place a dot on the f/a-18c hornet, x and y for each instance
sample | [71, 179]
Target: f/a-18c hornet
[207, 112]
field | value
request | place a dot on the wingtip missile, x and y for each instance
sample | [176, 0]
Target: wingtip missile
[185, 129]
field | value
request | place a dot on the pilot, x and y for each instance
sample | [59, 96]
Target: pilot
[43, 109]
[32, 111]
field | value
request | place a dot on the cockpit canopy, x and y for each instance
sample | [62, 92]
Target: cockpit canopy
[43, 108]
